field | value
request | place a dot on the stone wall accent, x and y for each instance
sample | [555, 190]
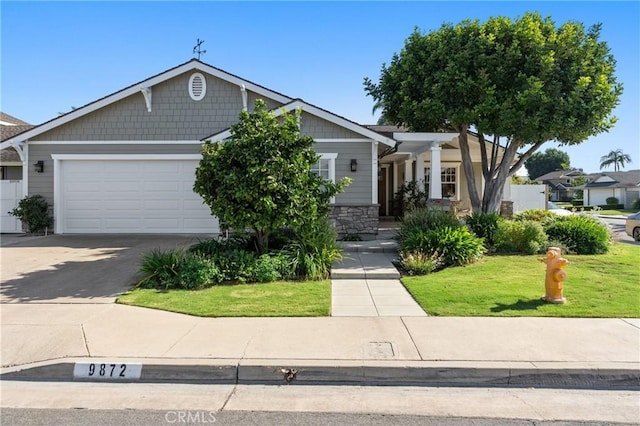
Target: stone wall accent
[506, 209]
[355, 219]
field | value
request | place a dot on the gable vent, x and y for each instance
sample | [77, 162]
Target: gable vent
[197, 86]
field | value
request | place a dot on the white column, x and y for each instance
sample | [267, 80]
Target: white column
[420, 171]
[435, 178]
[408, 171]
[374, 173]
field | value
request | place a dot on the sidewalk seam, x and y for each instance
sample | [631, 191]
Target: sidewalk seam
[84, 339]
[195, 324]
[411, 337]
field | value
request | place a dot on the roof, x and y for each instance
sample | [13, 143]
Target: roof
[146, 83]
[628, 179]
[11, 126]
[11, 120]
[561, 174]
[9, 155]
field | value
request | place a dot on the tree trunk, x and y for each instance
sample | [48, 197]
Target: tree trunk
[262, 241]
[468, 169]
[494, 185]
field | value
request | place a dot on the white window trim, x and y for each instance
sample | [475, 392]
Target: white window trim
[445, 165]
[332, 168]
[57, 178]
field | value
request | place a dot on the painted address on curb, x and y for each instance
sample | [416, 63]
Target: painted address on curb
[107, 370]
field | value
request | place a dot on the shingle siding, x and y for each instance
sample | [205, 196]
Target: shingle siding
[174, 115]
[322, 129]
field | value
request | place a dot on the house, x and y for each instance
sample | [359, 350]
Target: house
[125, 163]
[625, 186]
[10, 161]
[561, 183]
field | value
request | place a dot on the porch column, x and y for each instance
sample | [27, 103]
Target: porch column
[408, 171]
[420, 170]
[435, 178]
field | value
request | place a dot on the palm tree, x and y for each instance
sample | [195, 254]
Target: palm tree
[617, 158]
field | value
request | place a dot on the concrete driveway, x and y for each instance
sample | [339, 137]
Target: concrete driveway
[75, 269]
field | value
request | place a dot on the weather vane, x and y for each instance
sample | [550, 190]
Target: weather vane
[196, 48]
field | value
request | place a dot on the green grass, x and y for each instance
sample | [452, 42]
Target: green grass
[276, 299]
[617, 212]
[599, 286]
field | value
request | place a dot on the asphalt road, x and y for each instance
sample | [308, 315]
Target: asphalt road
[75, 417]
[617, 228]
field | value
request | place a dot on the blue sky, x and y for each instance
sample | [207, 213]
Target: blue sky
[56, 55]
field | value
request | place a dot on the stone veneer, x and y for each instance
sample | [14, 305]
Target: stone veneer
[355, 219]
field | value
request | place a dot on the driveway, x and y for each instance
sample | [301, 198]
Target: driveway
[75, 269]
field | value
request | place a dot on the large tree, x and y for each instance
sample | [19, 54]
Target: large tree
[260, 178]
[518, 83]
[550, 160]
[617, 158]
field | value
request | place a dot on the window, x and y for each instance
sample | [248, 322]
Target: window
[326, 168]
[448, 176]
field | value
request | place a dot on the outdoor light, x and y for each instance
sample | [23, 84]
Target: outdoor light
[39, 166]
[354, 165]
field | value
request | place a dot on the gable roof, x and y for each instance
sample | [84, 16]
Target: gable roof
[321, 113]
[193, 64]
[615, 180]
[10, 120]
[561, 174]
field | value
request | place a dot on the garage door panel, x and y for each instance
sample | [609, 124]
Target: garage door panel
[141, 196]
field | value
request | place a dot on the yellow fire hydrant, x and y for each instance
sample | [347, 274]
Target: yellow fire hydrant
[555, 276]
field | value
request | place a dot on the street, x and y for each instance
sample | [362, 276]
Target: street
[73, 403]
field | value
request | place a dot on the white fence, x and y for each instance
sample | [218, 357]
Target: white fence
[526, 197]
[10, 195]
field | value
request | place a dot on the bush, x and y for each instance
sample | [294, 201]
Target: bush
[410, 196]
[612, 201]
[520, 236]
[33, 212]
[577, 202]
[235, 265]
[422, 220]
[211, 248]
[196, 272]
[271, 267]
[160, 269]
[537, 215]
[418, 263]
[636, 204]
[453, 246]
[484, 225]
[313, 250]
[580, 234]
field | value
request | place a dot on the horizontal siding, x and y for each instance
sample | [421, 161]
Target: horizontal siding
[359, 192]
[174, 115]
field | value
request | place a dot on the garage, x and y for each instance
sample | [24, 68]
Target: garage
[128, 194]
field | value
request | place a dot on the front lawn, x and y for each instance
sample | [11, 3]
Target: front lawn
[606, 285]
[276, 299]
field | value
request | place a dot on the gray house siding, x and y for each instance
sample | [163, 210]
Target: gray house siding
[359, 191]
[42, 183]
[318, 128]
[174, 115]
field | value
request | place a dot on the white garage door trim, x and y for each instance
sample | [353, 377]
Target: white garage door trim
[59, 159]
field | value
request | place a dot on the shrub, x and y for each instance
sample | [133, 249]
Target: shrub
[160, 269]
[422, 220]
[33, 212]
[213, 247]
[270, 267]
[419, 263]
[537, 215]
[612, 201]
[636, 204]
[196, 271]
[580, 234]
[235, 265]
[484, 225]
[410, 196]
[520, 236]
[313, 250]
[452, 245]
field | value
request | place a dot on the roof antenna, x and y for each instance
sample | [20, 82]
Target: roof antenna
[196, 48]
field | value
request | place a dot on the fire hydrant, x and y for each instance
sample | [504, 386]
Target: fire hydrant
[555, 276]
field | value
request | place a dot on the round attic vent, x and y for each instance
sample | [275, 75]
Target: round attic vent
[197, 86]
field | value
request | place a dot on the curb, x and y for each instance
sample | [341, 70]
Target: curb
[307, 372]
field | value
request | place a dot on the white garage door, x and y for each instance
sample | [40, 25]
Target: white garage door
[131, 196]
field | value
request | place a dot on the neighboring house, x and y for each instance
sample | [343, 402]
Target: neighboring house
[561, 183]
[625, 186]
[125, 163]
[10, 161]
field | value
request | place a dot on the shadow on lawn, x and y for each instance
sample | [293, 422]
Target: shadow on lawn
[520, 305]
